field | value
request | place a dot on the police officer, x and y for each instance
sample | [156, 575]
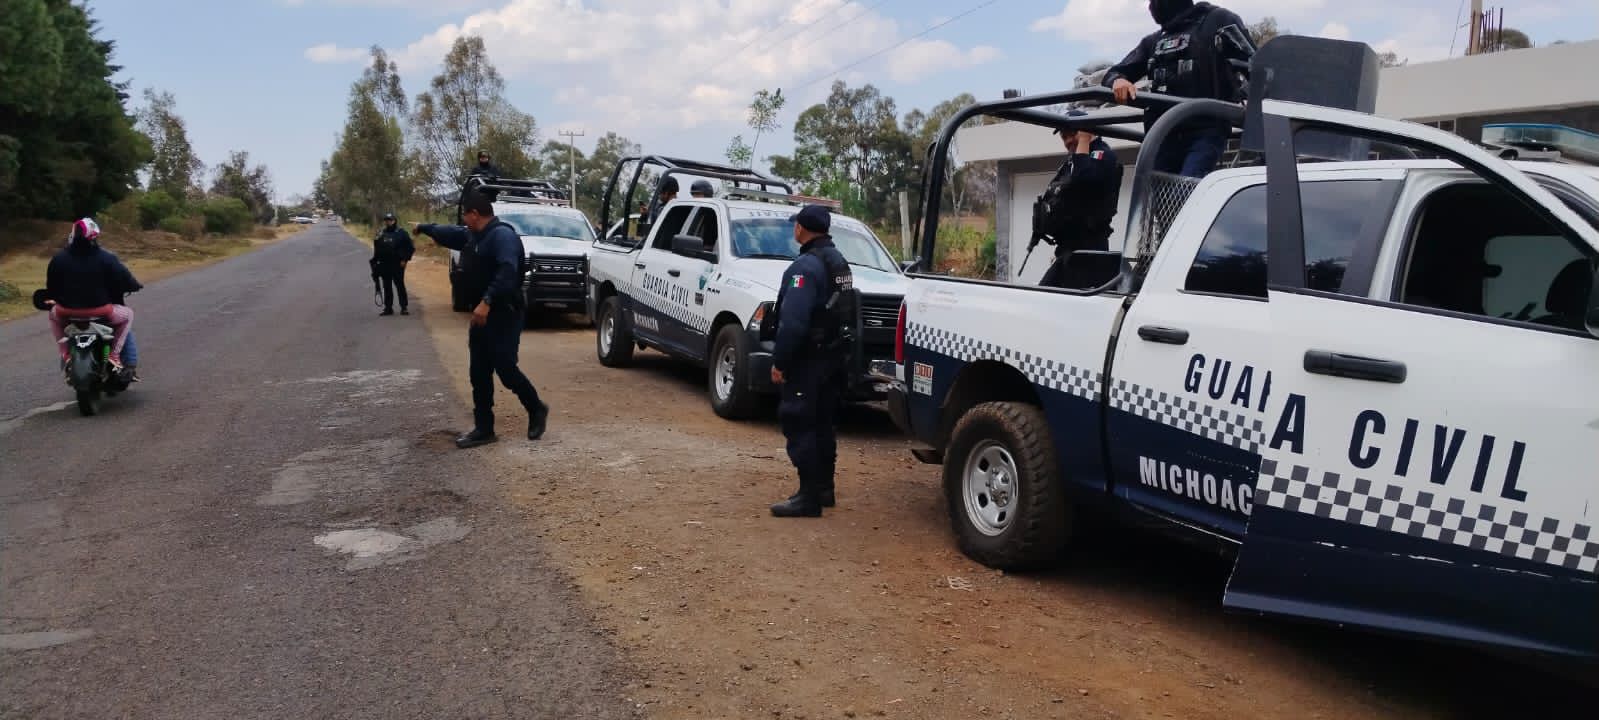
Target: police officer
[1200, 51]
[491, 265]
[1076, 210]
[701, 189]
[484, 166]
[391, 252]
[805, 362]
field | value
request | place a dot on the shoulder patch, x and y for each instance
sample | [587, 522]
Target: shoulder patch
[1097, 154]
[797, 281]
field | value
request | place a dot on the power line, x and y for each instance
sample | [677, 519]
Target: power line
[893, 47]
[775, 28]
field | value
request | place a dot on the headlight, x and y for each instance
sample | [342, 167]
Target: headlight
[760, 315]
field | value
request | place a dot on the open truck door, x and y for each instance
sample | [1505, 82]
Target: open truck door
[1428, 465]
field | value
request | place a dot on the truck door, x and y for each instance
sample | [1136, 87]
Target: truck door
[1428, 461]
[652, 306]
[1192, 376]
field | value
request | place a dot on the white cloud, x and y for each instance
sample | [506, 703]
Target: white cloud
[331, 53]
[626, 64]
[1334, 31]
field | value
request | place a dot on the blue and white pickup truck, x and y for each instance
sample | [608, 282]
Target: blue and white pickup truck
[698, 283]
[1375, 382]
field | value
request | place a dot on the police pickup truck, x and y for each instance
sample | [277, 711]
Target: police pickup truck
[1373, 383]
[697, 284]
[556, 239]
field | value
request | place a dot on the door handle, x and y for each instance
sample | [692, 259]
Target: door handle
[675, 273]
[1165, 335]
[1354, 367]
[639, 265]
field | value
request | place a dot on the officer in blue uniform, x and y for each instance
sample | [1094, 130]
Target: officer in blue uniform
[806, 361]
[491, 264]
[1077, 207]
[1200, 51]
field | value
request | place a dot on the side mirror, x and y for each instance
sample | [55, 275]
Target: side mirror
[692, 246]
[909, 265]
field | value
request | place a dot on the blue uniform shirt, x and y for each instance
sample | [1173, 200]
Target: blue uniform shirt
[799, 302]
[496, 264]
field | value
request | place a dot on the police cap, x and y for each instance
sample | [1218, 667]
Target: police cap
[388, 216]
[814, 218]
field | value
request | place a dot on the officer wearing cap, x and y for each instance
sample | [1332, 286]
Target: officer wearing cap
[391, 252]
[1077, 207]
[806, 363]
[1200, 51]
[701, 189]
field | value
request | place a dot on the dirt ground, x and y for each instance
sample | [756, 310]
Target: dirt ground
[657, 510]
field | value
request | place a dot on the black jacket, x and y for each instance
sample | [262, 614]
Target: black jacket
[1080, 202]
[485, 169]
[808, 284]
[392, 246]
[490, 263]
[88, 278]
[1220, 51]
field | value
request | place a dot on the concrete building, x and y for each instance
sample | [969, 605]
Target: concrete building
[1554, 85]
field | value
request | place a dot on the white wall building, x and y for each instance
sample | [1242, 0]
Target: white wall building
[1557, 85]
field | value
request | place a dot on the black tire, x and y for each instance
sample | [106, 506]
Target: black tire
[617, 350]
[459, 302]
[88, 403]
[1035, 517]
[729, 388]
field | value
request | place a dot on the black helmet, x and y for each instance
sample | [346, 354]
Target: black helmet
[702, 188]
[669, 185]
[388, 216]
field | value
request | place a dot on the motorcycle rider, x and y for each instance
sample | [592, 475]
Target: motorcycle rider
[84, 279]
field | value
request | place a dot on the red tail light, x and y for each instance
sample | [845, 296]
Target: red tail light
[899, 336]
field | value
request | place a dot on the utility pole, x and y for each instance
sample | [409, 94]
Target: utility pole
[1475, 43]
[571, 157]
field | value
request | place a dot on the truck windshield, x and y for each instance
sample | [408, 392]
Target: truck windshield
[774, 238]
[537, 224]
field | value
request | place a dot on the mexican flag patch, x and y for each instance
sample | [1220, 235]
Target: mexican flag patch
[1097, 154]
[797, 281]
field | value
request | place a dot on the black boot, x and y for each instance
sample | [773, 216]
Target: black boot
[537, 421]
[474, 439]
[804, 503]
[825, 497]
[405, 311]
[386, 313]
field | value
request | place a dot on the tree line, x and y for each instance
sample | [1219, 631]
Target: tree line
[399, 154]
[69, 146]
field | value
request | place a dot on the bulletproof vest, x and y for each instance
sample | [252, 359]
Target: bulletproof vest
[476, 272]
[1180, 63]
[1070, 215]
[840, 315]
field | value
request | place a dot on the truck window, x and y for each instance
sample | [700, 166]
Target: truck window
[1232, 259]
[671, 225]
[705, 227]
[1477, 250]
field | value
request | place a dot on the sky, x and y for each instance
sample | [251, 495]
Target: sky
[272, 77]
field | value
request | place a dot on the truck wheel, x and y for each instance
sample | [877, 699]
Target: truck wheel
[1001, 480]
[612, 341]
[729, 381]
[458, 299]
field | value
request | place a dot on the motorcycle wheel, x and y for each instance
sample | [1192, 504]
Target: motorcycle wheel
[88, 403]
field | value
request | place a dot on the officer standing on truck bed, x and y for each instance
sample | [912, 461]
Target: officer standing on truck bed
[808, 361]
[391, 252]
[1076, 210]
[1200, 51]
[491, 266]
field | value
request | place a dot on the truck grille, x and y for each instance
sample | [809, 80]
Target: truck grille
[880, 311]
[554, 280]
[556, 267]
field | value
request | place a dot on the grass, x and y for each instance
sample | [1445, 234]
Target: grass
[27, 246]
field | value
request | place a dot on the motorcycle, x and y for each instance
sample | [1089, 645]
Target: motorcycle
[88, 367]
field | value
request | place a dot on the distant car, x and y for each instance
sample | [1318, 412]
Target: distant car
[301, 220]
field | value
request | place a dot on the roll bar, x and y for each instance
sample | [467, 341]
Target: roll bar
[678, 166]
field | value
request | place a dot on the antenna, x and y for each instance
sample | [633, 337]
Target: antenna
[571, 156]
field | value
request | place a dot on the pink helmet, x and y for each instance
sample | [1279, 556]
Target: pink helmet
[84, 230]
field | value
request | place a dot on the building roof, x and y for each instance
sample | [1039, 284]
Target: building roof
[1554, 76]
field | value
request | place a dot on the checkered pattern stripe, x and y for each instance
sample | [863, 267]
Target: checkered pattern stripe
[652, 299]
[1423, 514]
[1052, 374]
[1223, 425]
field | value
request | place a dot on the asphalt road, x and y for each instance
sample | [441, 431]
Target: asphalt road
[274, 524]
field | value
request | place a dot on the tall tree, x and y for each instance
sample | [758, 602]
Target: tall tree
[381, 81]
[1263, 30]
[368, 173]
[465, 110]
[739, 152]
[174, 167]
[763, 115]
[851, 147]
[67, 143]
[236, 178]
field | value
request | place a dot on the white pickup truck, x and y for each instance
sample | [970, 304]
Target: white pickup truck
[698, 286]
[556, 239]
[1374, 383]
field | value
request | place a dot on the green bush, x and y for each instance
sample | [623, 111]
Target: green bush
[188, 226]
[9, 291]
[155, 206]
[226, 216]
[123, 214]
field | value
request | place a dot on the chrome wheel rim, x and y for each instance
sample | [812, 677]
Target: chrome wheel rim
[726, 372]
[607, 333]
[990, 488]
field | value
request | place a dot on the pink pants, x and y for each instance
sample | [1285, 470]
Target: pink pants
[119, 317]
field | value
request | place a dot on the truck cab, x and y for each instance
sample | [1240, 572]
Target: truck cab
[699, 281]
[1368, 381]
